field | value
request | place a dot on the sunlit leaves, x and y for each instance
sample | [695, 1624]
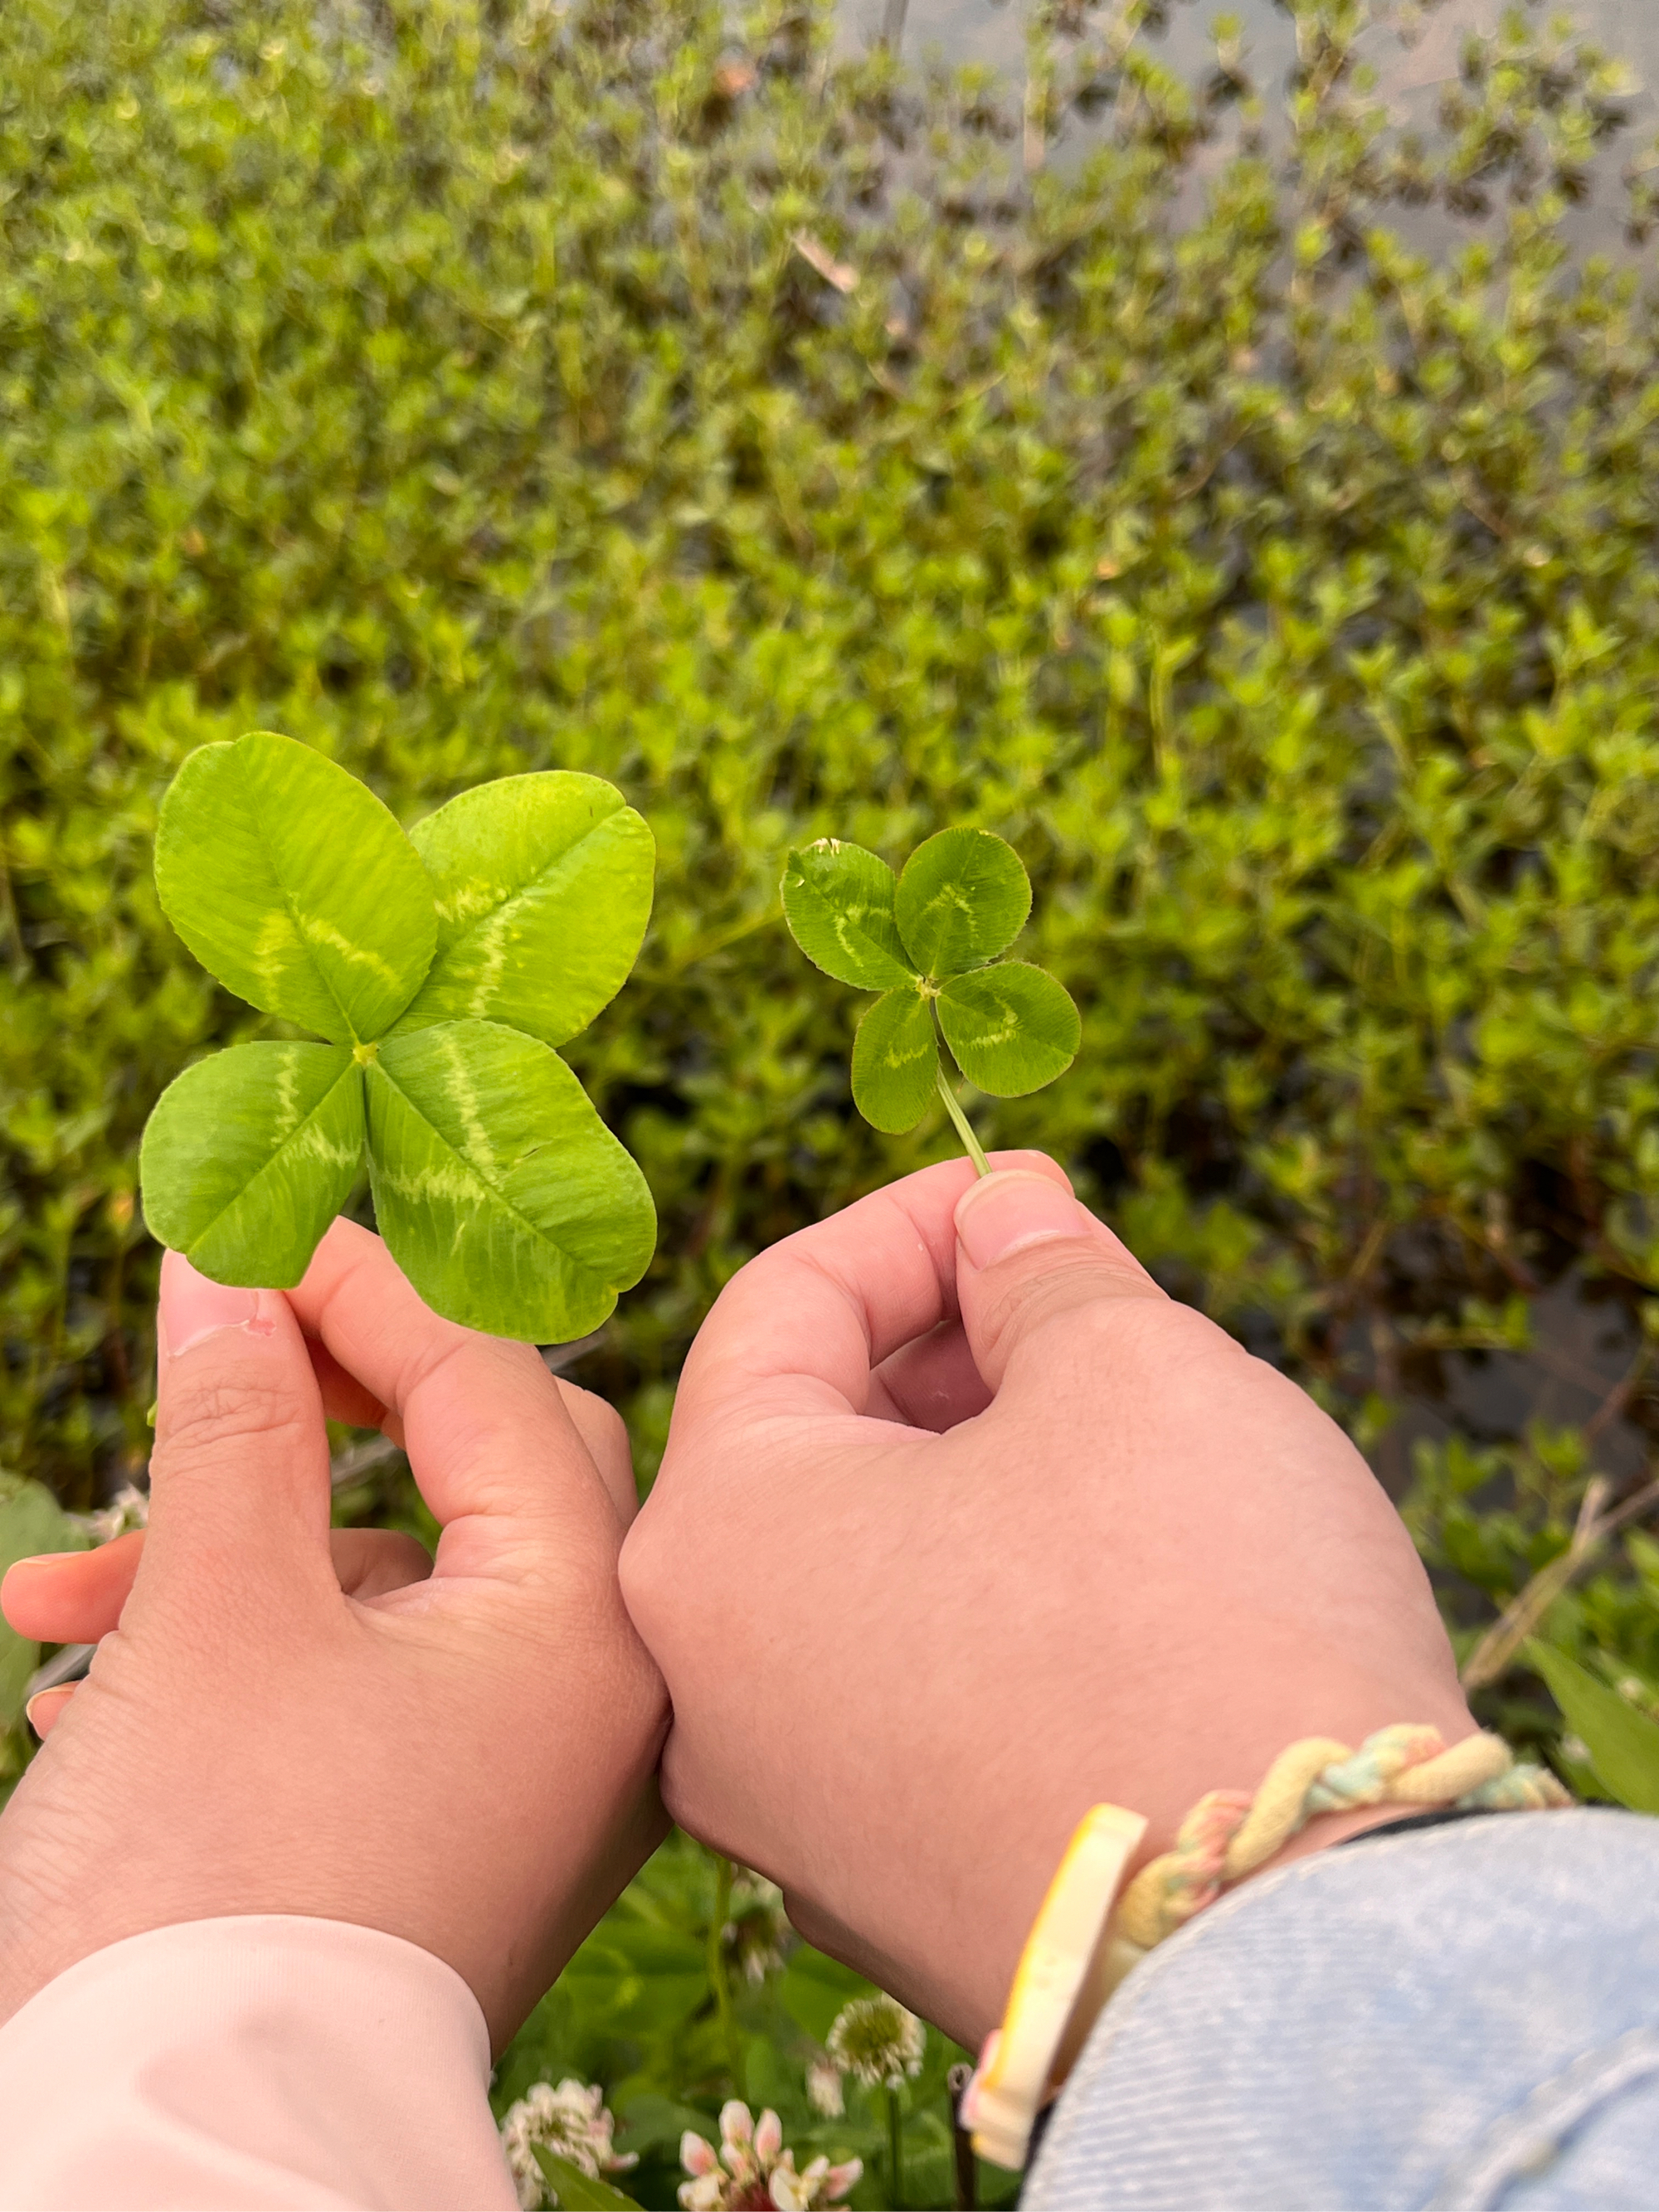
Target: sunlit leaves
[923, 941]
[503, 1196]
[250, 1155]
[292, 883]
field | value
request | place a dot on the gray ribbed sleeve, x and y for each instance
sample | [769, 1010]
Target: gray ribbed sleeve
[1466, 2016]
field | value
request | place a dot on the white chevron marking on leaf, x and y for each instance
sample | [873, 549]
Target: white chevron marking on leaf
[318, 932]
[489, 944]
[462, 1094]
[288, 1098]
[276, 947]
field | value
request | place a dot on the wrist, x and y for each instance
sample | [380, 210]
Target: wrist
[1094, 1927]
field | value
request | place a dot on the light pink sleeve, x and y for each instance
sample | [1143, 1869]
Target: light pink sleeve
[268, 2061]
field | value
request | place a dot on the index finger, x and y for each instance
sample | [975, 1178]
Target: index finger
[801, 1328]
[482, 1421]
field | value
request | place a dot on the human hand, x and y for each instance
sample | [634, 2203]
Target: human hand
[458, 1752]
[963, 1526]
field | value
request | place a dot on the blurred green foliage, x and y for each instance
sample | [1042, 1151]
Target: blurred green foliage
[1244, 503]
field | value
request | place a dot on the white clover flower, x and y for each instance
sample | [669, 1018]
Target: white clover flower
[820, 2184]
[573, 2120]
[128, 1508]
[876, 2042]
[823, 2092]
[756, 1932]
[752, 2171]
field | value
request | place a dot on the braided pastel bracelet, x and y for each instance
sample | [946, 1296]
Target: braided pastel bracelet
[1074, 1959]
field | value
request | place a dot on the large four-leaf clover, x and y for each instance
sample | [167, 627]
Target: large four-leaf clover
[926, 939]
[441, 968]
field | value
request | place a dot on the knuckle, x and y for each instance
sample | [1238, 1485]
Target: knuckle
[212, 1415]
[1124, 1321]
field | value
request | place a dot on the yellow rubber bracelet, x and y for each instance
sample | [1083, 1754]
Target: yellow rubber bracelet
[1053, 2001]
[1086, 1939]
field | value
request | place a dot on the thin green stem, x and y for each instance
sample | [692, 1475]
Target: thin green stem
[895, 2147]
[965, 1127]
[720, 1979]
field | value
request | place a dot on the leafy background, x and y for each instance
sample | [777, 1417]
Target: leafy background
[1242, 502]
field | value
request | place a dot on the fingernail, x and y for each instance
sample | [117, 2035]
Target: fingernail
[47, 1703]
[1003, 1212]
[194, 1306]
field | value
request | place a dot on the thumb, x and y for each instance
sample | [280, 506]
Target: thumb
[1029, 1257]
[239, 1476]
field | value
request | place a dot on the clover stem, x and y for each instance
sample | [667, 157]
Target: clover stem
[965, 1130]
[720, 1975]
[896, 2145]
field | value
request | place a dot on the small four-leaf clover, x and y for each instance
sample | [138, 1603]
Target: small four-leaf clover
[928, 940]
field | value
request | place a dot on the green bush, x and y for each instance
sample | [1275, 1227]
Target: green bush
[811, 447]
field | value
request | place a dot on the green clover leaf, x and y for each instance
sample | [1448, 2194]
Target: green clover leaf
[442, 968]
[925, 940]
[543, 890]
[497, 1185]
[1011, 1028]
[292, 884]
[285, 1127]
[896, 1062]
[962, 898]
[838, 900]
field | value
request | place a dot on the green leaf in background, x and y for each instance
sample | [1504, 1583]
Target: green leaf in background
[290, 881]
[635, 1974]
[838, 902]
[895, 1062]
[962, 898]
[31, 1521]
[250, 1155]
[1012, 1028]
[576, 2191]
[1622, 1744]
[768, 2077]
[504, 1198]
[651, 2121]
[544, 891]
[813, 1989]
